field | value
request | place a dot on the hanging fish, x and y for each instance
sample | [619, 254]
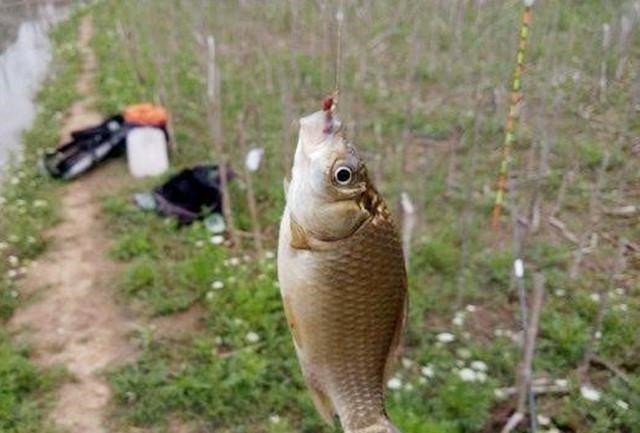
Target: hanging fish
[342, 277]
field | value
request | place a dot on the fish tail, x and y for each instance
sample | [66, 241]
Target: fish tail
[381, 426]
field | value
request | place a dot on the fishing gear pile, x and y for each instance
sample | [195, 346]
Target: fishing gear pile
[91, 146]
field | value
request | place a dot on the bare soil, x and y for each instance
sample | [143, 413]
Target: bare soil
[74, 320]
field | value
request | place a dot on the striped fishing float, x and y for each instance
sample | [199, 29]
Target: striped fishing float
[513, 115]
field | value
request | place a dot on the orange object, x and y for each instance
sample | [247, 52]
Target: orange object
[146, 114]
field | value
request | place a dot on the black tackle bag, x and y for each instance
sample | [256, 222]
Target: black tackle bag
[87, 148]
[191, 194]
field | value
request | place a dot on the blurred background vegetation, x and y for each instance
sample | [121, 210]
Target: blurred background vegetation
[424, 94]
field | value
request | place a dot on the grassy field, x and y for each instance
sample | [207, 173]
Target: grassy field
[424, 95]
[28, 206]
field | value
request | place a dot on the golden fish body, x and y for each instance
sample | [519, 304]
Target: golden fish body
[343, 281]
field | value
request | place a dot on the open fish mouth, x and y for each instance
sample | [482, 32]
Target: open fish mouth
[318, 130]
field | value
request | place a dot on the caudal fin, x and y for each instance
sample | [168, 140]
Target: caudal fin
[382, 426]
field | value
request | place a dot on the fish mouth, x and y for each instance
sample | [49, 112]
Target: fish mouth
[318, 130]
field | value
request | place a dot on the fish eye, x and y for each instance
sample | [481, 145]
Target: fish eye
[343, 175]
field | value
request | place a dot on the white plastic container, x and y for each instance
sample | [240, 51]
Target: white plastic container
[147, 152]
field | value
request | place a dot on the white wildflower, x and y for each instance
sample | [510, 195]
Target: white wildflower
[269, 255]
[3, 246]
[622, 404]
[252, 337]
[274, 419]
[543, 419]
[560, 292]
[217, 285]
[12, 273]
[562, 383]
[234, 261]
[199, 244]
[40, 203]
[209, 296]
[589, 393]
[621, 307]
[13, 261]
[595, 297]
[500, 393]
[467, 375]
[407, 363]
[479, 366]
[471, 308]
[463, 353]
[408, 387]
[445, 337]
[458, 319]
[481, 376]
[217, 239]
[394, 383]
[459, 363]
[619, 291]
[427, 371]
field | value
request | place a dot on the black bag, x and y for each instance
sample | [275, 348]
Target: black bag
[87, 148]
[191, 194]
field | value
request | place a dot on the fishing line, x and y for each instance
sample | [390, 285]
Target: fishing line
[514, 113]
[340, 22]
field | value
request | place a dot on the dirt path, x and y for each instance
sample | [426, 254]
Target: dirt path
[74, 320]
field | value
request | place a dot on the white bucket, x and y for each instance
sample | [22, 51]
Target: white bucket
[147, 152]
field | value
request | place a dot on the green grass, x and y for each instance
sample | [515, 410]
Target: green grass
[222, 379]
[29, 205]
[26, 391]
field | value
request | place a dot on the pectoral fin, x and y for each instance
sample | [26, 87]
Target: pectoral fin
[299, 236]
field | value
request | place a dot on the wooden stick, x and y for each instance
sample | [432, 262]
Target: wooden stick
[214, 114]
[524, 385]
[603, 304]
[251, 198]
